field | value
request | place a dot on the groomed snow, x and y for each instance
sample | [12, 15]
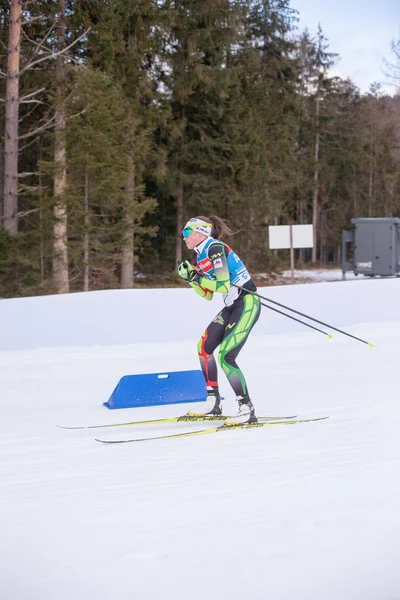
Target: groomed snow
[285, 513]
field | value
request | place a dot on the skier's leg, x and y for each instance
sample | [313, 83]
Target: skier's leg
[242, 319]
[211, 338]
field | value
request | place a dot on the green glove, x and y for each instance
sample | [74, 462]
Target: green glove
[186, 271]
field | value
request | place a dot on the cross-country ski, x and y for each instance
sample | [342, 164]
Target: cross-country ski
[180, 419]
[219, 429]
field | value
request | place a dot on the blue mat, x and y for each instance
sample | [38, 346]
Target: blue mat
[154, 389]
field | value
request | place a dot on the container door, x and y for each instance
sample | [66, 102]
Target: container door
[384, 249]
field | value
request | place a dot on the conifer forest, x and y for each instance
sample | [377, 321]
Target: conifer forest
[121, 119]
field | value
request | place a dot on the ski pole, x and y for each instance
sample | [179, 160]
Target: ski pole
[284, 314]
[298, 320]
[304, 315]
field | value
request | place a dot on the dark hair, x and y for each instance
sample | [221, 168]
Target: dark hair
[219, 228]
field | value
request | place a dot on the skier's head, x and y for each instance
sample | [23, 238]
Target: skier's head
[196, 231]
[200, 228]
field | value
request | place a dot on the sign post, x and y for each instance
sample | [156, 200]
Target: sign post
[290, 236]
[291, 251]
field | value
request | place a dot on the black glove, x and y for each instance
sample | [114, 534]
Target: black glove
[186, 271]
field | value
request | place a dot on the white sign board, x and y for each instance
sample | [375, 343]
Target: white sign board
[279, 236]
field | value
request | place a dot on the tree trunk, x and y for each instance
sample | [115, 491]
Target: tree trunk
[1, 181]
[60, 240]
[128, 242]
[86, 234]
[266, 32]
[300, 220]
[371, 174]
[322, 255]
[316, 183]
[179, 223]
[41, 221]
[354, 192]
[10, 202]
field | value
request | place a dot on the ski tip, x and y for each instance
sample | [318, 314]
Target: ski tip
[330, 336]
[371, 345]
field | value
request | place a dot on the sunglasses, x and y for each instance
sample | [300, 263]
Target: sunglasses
[186, 231]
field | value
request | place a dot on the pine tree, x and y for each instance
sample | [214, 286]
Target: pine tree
[316, 87]
[266, 124]
[98, 164]
[379, 136]
[197, 80]
[123, 43]
[340, 165]
[38, 51]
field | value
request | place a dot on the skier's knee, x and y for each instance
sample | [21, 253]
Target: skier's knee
[228, 358]
[222, 358]
[201, 349]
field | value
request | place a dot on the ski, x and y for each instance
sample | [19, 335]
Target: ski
[181, 419]
[218, 429]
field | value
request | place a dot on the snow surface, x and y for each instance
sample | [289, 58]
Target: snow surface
[284, 513]
[321, 274]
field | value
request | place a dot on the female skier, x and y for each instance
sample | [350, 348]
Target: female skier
[219, 269]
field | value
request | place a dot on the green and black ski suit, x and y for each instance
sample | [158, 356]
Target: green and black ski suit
[220, 267]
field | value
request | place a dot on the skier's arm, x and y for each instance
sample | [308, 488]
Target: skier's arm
[190, 274]
[221, 283]
[202, 291]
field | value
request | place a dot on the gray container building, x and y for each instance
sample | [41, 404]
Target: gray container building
[376, 247]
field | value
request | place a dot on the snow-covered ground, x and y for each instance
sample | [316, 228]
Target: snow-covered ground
[286, 513]
[321, 274]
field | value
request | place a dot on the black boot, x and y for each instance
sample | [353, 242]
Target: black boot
[211, 406]
[246, 413]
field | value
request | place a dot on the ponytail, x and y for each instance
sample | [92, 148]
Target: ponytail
[219, 228]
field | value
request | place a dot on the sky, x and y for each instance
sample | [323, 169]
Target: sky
[361, 32]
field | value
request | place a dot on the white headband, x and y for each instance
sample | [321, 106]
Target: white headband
[200, 226]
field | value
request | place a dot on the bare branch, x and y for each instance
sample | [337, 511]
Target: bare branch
[41, 44]
[43, 127]
[24, 99]
[22, 148]
[27, 212]
[31, 102]
[54, 54]
[40, 60]
[27, 174]
[27, 115]
[31, 20]
[82, 112]
[74, 60]
[32, 94]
